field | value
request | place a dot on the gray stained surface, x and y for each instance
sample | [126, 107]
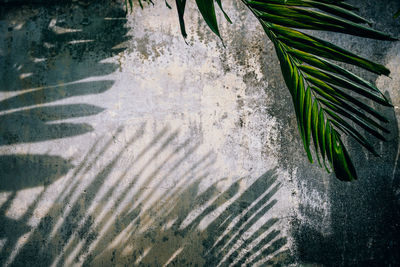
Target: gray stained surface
[122, 145]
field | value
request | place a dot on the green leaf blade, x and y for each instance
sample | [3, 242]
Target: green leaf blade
[223, 11]
[342, 164]
[314, 129]
[180, 6]
[207, 10]
[307, 122]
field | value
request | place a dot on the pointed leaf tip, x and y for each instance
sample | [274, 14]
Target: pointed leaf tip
[207, 10]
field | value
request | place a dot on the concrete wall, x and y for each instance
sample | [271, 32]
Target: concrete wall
[122, 145]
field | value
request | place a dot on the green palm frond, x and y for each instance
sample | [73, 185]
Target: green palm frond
[329, 100]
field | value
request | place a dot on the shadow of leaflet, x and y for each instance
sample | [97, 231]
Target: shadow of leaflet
[37, 124]
[46, 51]
[226, 240]
[24, 171]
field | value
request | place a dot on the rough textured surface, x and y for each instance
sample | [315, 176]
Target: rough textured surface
[122, 145]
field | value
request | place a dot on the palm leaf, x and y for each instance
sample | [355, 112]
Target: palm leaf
[180, 6]
[328, 99]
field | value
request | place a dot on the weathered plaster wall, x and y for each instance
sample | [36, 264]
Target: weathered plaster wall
[121, 144]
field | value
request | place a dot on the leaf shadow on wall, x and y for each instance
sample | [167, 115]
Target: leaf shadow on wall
[146, 209]
[48, 50]
[228, 240]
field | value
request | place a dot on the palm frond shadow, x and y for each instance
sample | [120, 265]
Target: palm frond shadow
[142, 205]
[55, 233]
[48, 56]
[172, 236]
[13, 170]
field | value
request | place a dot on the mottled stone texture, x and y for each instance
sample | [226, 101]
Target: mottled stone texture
[121, 144]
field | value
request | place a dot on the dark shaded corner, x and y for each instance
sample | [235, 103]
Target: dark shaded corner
[364, 215]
